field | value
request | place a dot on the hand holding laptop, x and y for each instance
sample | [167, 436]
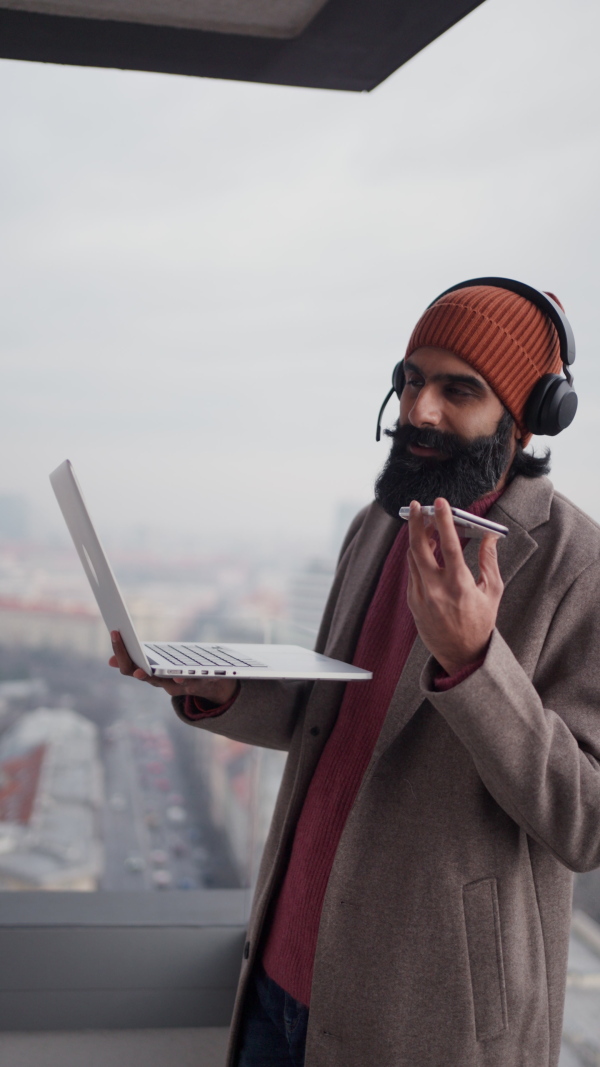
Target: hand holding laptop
[219, 690]
[209, 669]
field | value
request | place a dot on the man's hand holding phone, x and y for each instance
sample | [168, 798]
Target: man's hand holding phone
[454, 614]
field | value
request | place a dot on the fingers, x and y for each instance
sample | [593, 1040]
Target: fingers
[449, 540]
[121, 657]
[489, 571]
[421, 545]
[218, 690]
[414, 591]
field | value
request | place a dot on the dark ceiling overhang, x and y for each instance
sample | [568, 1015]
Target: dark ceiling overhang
[348, 44]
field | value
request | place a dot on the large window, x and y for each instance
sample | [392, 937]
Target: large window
[205, 289]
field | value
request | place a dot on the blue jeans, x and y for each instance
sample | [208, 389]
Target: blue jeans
[273, 1027]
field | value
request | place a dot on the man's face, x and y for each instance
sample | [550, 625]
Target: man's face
[445, 393]
[453, 439]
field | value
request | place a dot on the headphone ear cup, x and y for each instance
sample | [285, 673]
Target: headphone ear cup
[398, 379]
[551, 406]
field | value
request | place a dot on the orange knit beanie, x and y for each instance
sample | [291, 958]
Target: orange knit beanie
[502, 335]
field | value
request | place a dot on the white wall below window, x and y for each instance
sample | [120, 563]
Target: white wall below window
[116, 1048]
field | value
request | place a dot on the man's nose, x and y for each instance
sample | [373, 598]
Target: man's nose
[426, 410]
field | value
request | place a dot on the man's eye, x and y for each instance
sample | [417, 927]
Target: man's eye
[455, 390]
[414, 382]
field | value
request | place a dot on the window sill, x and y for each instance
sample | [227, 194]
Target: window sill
[120, 960]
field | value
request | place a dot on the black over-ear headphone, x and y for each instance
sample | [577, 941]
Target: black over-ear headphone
[552, 403]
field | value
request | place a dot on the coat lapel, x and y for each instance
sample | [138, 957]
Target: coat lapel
[352, 598]
[513, 551]
[373, 542]
[406, 700]
[523, 506]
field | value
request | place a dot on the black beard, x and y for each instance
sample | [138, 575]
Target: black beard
[469, 470]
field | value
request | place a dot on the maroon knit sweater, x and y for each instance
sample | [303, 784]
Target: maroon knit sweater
[387, 636]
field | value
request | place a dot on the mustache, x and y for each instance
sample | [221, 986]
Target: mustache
[450, 444]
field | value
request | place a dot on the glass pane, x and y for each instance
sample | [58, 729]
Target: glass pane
[103, 788]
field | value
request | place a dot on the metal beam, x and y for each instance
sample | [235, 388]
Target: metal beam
[350, 45]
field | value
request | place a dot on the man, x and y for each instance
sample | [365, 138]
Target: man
[414, 899]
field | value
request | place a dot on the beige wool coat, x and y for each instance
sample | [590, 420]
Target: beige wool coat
[444, 932]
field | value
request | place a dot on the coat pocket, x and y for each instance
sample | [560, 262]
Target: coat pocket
[484, 943]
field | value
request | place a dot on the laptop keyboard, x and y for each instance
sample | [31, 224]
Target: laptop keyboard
[198, 656]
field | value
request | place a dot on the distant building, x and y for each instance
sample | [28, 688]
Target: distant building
[23, 689]
[50, 799]
[72, 627]
[50, 625]
[309, 584]
[16, 696]
[14, 517]
[242, 783]
[307, 594]
[345, 512]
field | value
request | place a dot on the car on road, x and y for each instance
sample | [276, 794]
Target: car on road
[162, 879]
[159, 857]
[134, 862]
[176, 815]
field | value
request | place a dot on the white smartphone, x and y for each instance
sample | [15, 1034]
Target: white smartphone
[465, 523]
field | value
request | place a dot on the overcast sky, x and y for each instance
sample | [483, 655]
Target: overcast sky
[205, 285]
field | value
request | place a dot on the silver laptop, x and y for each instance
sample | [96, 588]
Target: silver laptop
[181, 657]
